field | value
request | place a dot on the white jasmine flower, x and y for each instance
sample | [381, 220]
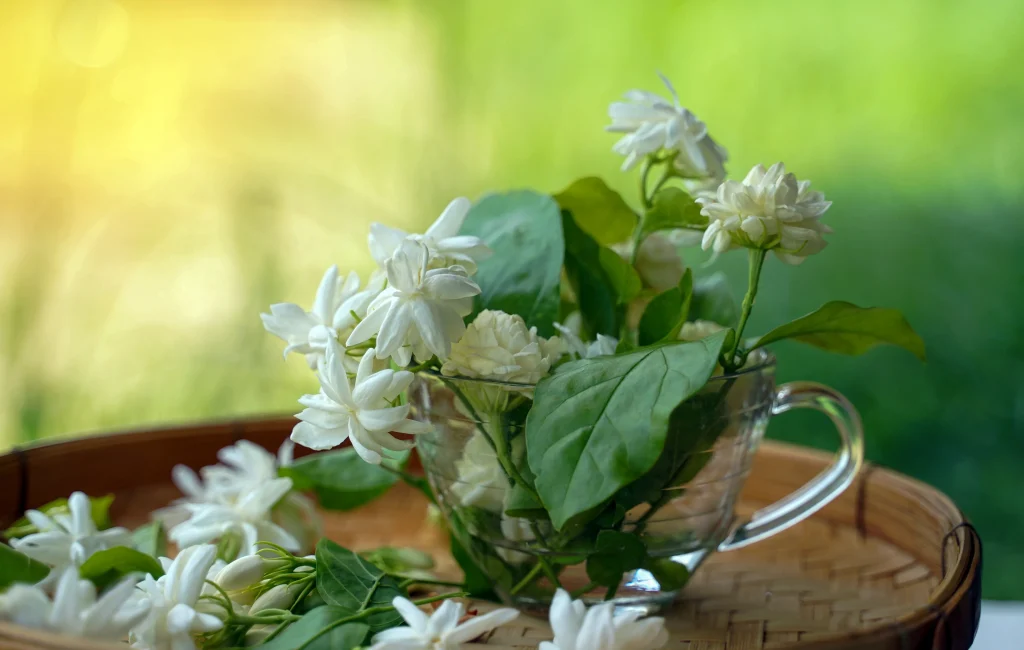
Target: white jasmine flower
[652, 123]
[579, 349]
[307, 332]
[439, 631]
[446, 247]
[362, 413]
[67, 539]
[577, 628]
[74, 609]
[481, 480]
[769, 210]
[657, 262]
[422, 307]
[245, 468]
[499, 347]
[698, 329]
[515, 529]
[249, 517]
[175, 617]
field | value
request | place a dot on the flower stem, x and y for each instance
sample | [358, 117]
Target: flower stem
[238, 619]
[527, 579]
[645, 171]
[755, 262]
[405, 584]
[576, 593]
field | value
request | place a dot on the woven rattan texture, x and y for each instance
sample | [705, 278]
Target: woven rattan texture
[816, 582]
[890, 565]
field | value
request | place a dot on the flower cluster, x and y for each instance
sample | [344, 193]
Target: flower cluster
[242, 500]
[67, 539]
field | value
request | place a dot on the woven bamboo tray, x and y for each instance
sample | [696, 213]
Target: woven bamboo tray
[892, 564]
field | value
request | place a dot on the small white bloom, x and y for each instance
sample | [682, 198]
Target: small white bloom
[769, 210]
[579, 349]
[245, 468]
[307, 332]
[277, 597]
[421, 308]
[249, 517]
[657, 262]
[652, 123]
[599, 628]
[242, 573]
[446, 247]
[499, 347]
[698, 329]
[362, 413]
[67, 539]
[74, 610]
[439, 631]
[174, 617]
[515, 529]
[481, 480]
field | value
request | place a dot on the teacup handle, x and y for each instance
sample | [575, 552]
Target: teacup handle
[824, 487]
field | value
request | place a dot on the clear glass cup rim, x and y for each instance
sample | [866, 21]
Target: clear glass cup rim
[758, 361]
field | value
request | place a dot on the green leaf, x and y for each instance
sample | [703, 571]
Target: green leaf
[599, 424]
[106, 567]
[665, 314]
[615, 553]
[603, 281]
[100, 507]
[672, 208]
[524, 273]
[150, 539]
[843, 327]
[713, 301]
[341, 479]
[598, 209]
[319, 629]
[350, 583]
[18, 567]
[670, 575]
[692, 430]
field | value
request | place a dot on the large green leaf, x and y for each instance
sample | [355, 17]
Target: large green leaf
[523, 275]
[599, 424]
[672, 208]
[106, 567]
[713, 300]
[341, 479]
[18, 567]
[320, 629]
[99, 506]
[598, 209]
[150, 539]
[603, 282]
[349, 582]
[665, 314]
[843, 327]
[693, 428]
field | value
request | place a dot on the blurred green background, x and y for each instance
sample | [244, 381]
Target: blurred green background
[169, 169]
